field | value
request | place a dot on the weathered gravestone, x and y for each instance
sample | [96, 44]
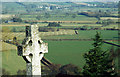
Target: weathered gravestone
[32, 50]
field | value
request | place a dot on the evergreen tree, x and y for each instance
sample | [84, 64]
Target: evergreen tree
[98, 62]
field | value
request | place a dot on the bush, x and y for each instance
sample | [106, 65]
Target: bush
[70, 69]
[47, 15]
[38, 17]
[54, 24]
[16, 19]
[56, 70]
[50, 71]
[21, 72]
[4, 72]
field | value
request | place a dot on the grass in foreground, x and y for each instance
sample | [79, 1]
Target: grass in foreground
[60, 52]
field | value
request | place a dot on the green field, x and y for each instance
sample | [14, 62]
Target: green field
[78, 25]
[87, 34]
[60, 52]
[73, 25]
[65, 52]
[60, 18]
[12, 62]
[68, 34]
[13, 8]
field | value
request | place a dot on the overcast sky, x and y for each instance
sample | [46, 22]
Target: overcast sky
[59, 0]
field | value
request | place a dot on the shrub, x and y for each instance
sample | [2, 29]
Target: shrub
[54, 24]
[70, 69]
[16, 19]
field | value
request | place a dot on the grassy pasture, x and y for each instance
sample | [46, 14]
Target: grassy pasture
[105, 34]
[13, 24]
[112, 18]
[67, 34]
[109, 18]
[13, 8]
[112, 26]
[65, 52]
[63, 23]
[6, 16]
[66, 23]
[7, 47]
[21, 35]
[60, 52]
[96, 9]
[12, 62]
[78, 24]
[59, 18]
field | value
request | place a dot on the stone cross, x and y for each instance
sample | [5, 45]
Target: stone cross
[32, 50]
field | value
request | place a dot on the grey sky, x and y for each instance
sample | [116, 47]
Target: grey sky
[59, 0]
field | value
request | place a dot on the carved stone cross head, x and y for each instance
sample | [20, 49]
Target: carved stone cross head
[32, 46]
